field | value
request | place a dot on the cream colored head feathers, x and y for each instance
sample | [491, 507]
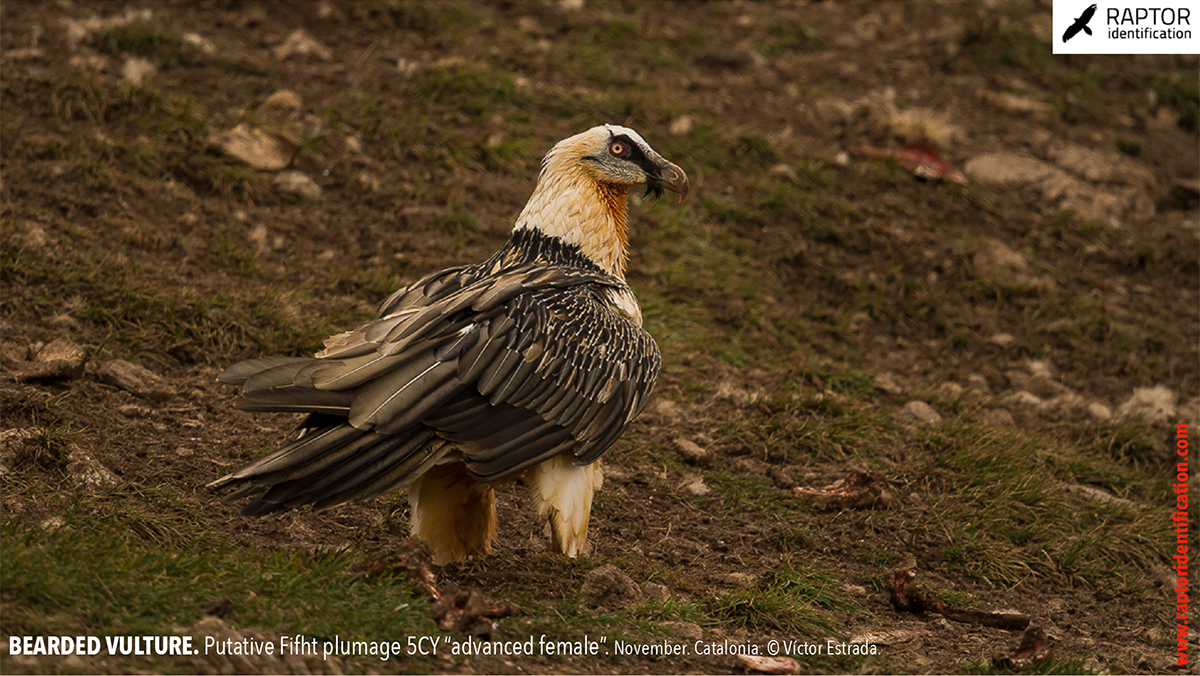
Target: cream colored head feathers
[580, 196]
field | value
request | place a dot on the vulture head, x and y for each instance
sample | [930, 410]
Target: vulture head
[580, 197]
[620, 156]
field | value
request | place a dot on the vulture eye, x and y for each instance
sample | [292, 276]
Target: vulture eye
[617, 148]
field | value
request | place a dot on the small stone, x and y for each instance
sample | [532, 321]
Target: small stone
[1099, 411]
[137, 70]
[58, 359]
[996, 417]
[694, 484]
[135, 379]
[1101, 166]
[1038, 110]
[1066, 403]
[1025, 398]
[893, 637]
[12, 437]
[1046, 387]
[300, 43]
[656, 592]
[1039, 368]
[93, 62]
[978, 384]
[53, 523]
[784, 171]
[298, 183]
[62, 349]
[23, 54]
[994, 261]
[256, 148]
[690, 451]
[1153, 404]
[13, 443]
[85, 470]
[764, 664]
[949, 391]
[369, 181]
[258, 237]
[31, 235]
[1102, 186]
[730, 391]
[1098, 494]
[407, 67]
[887, 382]
[327, 11]
[609, 587]
[919, 411]
[199, 42]
[671, 411]
[743, 580]
[681, 126]
[1009, 168]
[135, 411]
[281, 105]
[65, 321]
[854, 589]
[1001, 339]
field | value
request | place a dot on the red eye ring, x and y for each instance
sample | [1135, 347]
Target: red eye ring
[617, 148]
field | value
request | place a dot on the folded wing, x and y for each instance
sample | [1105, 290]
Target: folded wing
[514, 368]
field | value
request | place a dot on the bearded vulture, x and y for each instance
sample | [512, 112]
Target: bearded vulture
[527, 365]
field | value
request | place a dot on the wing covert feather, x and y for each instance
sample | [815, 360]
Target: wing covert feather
[577, 389]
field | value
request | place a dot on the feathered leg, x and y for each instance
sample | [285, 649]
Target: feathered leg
[563, 493]
[454, 513]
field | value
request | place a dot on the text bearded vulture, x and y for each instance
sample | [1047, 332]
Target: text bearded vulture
[531, 363]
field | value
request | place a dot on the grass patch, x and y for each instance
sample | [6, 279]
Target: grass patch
[785, 36]
[171, 140]
[786, 600]
[1181, 92]
[996, 38]
[428, 18]
[97, 577]
[47, 447]
[165, 49]
[750, 493]
[1014, 518]
[474, 89]
[140, 315]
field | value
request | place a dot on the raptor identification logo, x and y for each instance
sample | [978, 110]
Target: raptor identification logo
[1126, 27]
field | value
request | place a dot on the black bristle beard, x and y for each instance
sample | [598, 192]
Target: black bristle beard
[653, 187]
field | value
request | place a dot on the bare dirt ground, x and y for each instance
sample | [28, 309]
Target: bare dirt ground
[1004, 358]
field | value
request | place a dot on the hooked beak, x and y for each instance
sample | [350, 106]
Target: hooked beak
[675, 180]
[672, 178]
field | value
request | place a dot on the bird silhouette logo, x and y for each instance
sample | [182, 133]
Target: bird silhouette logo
[1081, 24]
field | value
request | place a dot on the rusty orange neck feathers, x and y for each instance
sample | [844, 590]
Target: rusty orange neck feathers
[570, 204]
